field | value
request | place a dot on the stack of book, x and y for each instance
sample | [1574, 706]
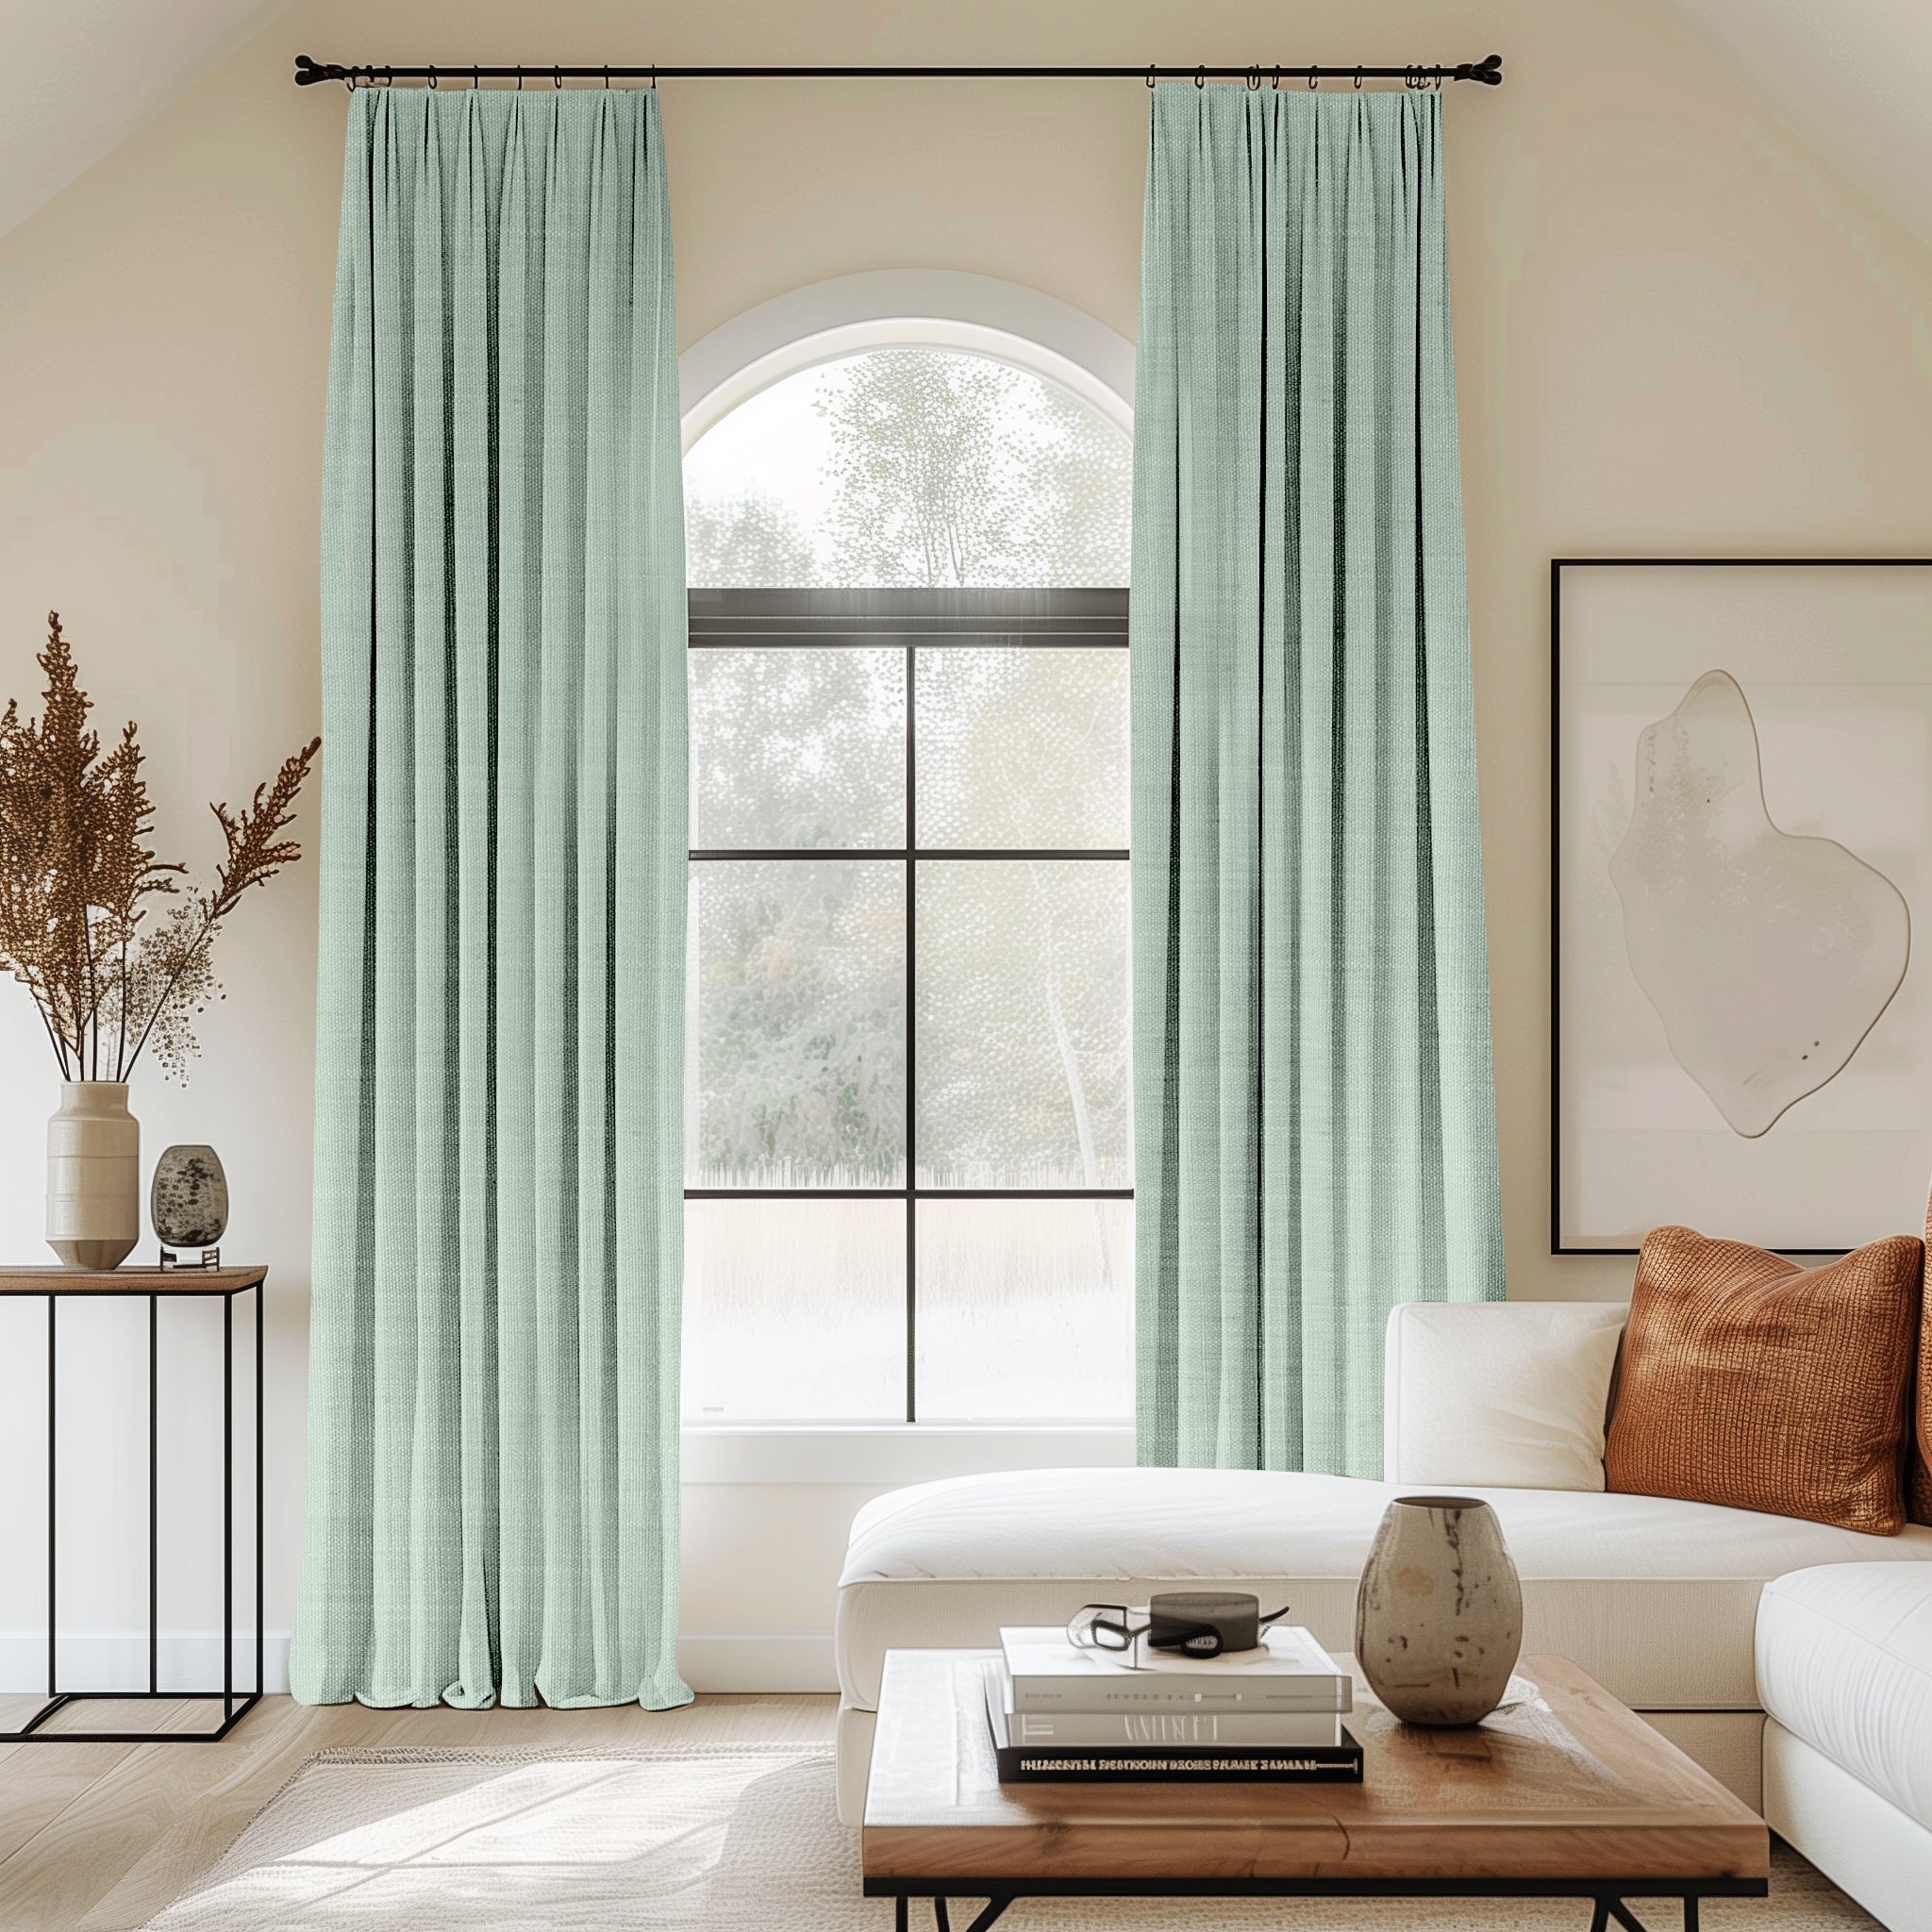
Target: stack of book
[1273, 1713]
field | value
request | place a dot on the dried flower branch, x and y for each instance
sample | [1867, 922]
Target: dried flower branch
[76, 875]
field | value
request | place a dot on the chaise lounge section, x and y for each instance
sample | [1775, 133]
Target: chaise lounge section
[1657, 1599]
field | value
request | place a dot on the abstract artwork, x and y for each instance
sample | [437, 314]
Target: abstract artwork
[1741, 786]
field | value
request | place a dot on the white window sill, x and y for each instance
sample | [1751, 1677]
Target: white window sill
[886, 1455]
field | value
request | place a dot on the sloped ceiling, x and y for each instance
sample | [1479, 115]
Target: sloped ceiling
[1852, 76]
[79, 77]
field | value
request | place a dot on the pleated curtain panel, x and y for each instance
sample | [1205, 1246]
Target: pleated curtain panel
[493, 1437]
[1315, 1109]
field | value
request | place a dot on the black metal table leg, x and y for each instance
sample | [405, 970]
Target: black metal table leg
[261, 1663]
[227, 1509]
[154, 1502]
[1689, 1912]
[53, 1459]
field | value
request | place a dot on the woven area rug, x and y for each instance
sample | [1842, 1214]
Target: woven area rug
[714, 1839]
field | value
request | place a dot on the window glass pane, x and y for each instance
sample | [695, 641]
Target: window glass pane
[797, 747]
[795, 1310]
[797, 978]
[1023, 747]
[1022, 1024]
[1025, 1309]
[908, 466]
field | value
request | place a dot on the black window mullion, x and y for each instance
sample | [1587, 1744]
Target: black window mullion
[911, 1035]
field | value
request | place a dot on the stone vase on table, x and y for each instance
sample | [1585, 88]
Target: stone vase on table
[1438, 1616]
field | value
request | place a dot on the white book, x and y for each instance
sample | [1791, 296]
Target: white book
[1240, 1727]
[1287, 1672]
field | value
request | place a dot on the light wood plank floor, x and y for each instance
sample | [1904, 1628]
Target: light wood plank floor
[98, 1838]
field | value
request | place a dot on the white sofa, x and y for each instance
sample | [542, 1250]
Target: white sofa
[1657, 1599]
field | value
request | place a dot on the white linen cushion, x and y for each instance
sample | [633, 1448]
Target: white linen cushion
[1511, 1394]
[1844, 1661]
[1655, 1597]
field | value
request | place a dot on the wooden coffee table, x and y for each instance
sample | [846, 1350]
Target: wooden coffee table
[1568, 1795]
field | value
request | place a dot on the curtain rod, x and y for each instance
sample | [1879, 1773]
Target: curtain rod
[1488, 71]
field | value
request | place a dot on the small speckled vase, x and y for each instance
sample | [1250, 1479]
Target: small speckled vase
[189, 1200]
[1438, 1617]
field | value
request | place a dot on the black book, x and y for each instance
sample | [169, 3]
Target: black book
[1305, 1764]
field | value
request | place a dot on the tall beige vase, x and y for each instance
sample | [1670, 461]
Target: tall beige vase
[93, 1174]
[1438, 1617]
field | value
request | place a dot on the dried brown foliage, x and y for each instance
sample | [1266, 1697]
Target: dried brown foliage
[79, 881]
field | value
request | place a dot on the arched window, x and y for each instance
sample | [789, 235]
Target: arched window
[908, 1120]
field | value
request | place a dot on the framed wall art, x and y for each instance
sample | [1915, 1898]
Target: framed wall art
[1741, 888]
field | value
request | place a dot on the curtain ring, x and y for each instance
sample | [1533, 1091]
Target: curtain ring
[1150, 76]
[520, 81]
[1255, 79]
[349, 81]
[1199, 76]
[1357, 80]
[1314, 78]
[1277, 81]
[654, 76]
[475, 78]
[389, 77]
[557, 77]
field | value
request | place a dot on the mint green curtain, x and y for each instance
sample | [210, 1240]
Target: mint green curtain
[1315, 1117]
[498, 1214]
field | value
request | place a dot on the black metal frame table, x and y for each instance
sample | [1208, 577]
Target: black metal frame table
[1610, 1897]
[55, 1285]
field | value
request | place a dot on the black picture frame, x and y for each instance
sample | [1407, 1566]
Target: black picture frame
[1557, 566]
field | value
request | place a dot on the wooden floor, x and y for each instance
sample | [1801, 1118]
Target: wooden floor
[98, 1838]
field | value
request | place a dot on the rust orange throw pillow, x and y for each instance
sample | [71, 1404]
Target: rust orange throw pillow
[1750, 1381]
[1919, 1459]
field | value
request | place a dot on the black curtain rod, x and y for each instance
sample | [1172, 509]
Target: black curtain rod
[1488, 72]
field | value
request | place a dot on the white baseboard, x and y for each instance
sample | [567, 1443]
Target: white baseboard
[117, 1659]
[787, 1661]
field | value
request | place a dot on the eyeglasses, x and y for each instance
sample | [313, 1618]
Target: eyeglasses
[1110, 1627]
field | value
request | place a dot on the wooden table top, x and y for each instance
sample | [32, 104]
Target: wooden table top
[1570, 1786]
[38, 1281]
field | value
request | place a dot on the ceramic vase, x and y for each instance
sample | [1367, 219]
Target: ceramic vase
[93, 1176]
[187, 1200]
[1438, 1617]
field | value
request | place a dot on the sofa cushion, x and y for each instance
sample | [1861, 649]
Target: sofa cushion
[1654, 1598]
[1749, 1381]
[1510, 1393]
[1845, 1660]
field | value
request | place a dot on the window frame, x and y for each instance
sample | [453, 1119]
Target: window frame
[911, 619]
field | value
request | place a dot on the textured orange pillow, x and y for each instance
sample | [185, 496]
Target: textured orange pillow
[1919, 1456]
[1750, 1381]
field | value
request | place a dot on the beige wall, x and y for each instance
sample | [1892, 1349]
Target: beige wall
[1679, 331]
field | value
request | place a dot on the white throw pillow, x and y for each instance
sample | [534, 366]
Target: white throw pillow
[1499, 1394]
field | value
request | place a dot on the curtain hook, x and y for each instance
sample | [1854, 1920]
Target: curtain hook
[654, 76]
[1314, 78]
[1199, 76]
[1277, 81]
[1357, 80]
[1255, 79]
[475, 78]
[1150, 76]
[557, 79]
[432, 80]
[349, 79]
[520, 81]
